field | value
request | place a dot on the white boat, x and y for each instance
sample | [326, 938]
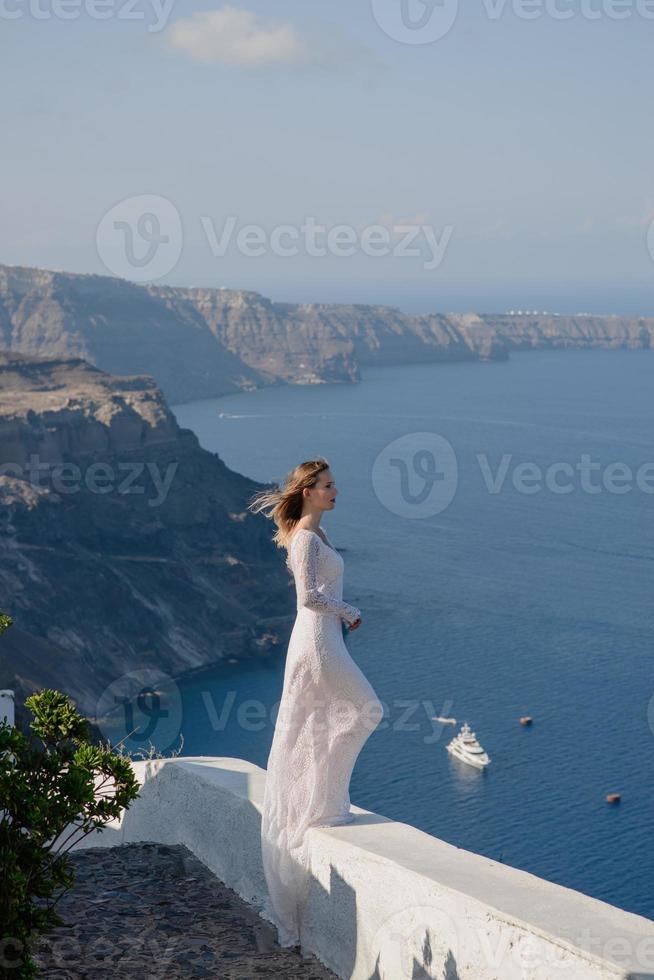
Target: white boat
[466, 748]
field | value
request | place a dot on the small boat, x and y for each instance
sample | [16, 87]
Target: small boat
[444, 721]
[466, 748]
[526, 720]
[612, 797]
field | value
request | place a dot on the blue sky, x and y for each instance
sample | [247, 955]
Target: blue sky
[526, 146]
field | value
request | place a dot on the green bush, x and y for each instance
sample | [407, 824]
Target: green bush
[55, 788]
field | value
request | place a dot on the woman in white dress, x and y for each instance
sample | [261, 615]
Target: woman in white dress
[328, 708]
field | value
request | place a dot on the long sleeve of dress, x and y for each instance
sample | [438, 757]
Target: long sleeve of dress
[305, 569]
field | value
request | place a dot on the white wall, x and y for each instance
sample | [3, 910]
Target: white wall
[7, 707]
[387, 901]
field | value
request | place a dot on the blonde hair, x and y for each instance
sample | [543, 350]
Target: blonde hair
[284, 505]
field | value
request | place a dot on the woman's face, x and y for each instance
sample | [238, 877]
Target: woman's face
[323, 495]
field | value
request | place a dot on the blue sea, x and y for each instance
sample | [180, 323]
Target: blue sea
[487, 593]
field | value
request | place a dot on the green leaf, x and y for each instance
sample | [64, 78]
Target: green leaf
[55, 787]
[5, 622]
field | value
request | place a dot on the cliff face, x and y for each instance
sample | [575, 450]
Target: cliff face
[202, 343]
[118, 326]
[123, 544]
[302, 344]
[273, 343]
[546, 331]
[199, 343]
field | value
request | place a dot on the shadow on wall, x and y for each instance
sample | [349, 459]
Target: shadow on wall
[395, 947]
[418, 971]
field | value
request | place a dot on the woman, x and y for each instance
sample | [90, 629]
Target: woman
[328, 708]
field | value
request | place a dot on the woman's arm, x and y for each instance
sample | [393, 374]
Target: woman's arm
[305, 566]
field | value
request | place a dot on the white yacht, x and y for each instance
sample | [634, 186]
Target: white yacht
[466, 747]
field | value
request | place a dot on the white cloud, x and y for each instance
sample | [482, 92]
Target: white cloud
[235, 37]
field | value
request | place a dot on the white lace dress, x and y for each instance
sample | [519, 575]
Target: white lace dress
[327, 711]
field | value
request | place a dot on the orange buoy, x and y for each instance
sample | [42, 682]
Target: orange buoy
[612, 797]
[526, 720]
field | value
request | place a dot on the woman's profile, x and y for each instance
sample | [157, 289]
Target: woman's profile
[328, 708]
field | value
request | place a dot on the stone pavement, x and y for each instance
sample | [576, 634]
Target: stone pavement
[154, 912]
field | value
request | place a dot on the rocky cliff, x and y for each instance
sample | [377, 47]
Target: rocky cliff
[202, 343]
[118, 326]
[123, 544]
[309, 343]
[541, 331]
[199, 343]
